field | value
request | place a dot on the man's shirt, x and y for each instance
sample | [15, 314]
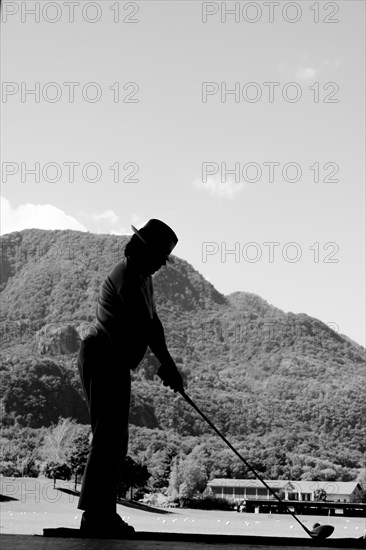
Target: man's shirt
[125, 310]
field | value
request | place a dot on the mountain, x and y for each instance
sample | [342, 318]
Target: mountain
[265, 377]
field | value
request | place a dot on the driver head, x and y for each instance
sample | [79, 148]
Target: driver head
[321, 531]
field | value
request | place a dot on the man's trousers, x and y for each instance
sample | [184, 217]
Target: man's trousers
[107, 386]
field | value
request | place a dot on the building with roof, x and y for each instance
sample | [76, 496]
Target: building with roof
[237, 490]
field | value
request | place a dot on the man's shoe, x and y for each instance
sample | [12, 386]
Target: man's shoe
[104, 525]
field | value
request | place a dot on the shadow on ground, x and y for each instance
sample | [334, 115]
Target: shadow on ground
[122, 501]
[140, 506]
[68, 491]
[4, 498]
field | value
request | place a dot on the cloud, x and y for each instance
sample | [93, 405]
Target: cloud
[108, 215]
[306, 73]
[103, 222]
[39, 216]
[47, 216]
[227, 189]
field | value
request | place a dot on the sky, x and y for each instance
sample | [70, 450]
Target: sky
[240, 124]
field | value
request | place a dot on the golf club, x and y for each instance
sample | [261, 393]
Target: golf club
[318, 531]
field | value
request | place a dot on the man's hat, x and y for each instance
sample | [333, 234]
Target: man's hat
[158, 236]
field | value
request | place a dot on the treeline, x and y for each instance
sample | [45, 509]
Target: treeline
[284, 411]
[176, 465]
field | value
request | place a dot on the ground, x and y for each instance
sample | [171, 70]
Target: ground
[32, 504]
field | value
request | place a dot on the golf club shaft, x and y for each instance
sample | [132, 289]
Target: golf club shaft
[189, 400]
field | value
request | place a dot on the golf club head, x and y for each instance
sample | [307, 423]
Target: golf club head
[321, 531]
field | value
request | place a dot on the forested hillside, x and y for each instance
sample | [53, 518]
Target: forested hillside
[285, 388]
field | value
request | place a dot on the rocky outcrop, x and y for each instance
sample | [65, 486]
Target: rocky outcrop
[58, 339]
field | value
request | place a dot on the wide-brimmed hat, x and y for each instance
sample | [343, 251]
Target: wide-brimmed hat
[158, 236]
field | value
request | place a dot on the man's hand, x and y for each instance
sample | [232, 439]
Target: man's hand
[171, 376]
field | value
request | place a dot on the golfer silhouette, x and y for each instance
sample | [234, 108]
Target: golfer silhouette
[126, 325]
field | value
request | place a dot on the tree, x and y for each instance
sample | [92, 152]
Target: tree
[320, 495]
[328, 474]
[187, 479]
[37, 391]
[57, 470]
[78, 455]
[160, 467]
[276, 463]
[175, 478]
[133, 476]
[58, 440]
[194, 475]
[30, 467]
[8, 468]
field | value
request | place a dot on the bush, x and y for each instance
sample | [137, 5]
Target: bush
[31, 468]
[27, 468]
[9, 469]
[204, 503]
[56, 470]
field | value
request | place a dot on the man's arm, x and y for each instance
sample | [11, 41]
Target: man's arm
[168, 371]
[157, 342]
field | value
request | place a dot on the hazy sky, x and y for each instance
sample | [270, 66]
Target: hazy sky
[240, 124]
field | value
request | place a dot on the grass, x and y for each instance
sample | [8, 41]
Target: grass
[32, 504]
